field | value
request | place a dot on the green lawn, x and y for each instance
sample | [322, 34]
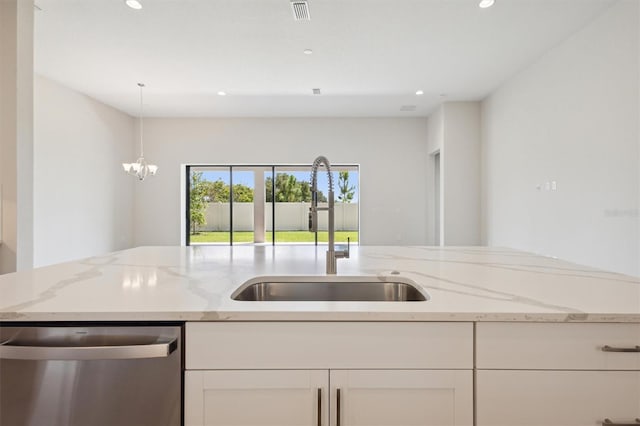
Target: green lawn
[281, 237]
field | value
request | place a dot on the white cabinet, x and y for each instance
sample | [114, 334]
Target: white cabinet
[402, 397]
[303, 345]
[532, 374]
[567, 398]
[329, 397]
[545, 346]
[411, 374]
[256, 397]
[329, 374]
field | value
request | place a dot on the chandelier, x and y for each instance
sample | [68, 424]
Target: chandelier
[140, 169]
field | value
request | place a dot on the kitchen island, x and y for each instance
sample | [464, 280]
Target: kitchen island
[195, 284]
[507, 337]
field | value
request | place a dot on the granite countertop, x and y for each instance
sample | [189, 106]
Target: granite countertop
[195, 284]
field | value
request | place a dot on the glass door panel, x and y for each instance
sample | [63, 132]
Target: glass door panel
[292, 193]
[209, 207]
[248, 207]
[346, 189]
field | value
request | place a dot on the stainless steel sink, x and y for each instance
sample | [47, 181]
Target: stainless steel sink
[330, 289]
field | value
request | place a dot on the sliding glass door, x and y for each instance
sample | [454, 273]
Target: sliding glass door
[267, 204]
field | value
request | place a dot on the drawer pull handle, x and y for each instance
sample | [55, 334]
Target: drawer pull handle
[607, 348]
[608, 422]
[319, 406]
[338, 407]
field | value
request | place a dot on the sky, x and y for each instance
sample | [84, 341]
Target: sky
[246, 178]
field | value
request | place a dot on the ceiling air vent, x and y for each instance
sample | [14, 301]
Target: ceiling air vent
[408, 108]
[300, 10]
[316, 91]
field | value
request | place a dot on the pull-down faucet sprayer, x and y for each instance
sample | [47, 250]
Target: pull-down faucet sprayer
[332, 254]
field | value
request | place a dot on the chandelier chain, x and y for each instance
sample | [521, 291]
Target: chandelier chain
[141, 85]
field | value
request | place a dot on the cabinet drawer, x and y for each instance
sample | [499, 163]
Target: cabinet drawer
[567, 398]
[305, 345]
[556, 346]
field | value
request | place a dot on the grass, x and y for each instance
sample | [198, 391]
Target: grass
[281, 237]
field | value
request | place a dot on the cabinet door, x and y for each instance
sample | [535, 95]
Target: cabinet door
[256, 397]
[401, 397]
[567, 398]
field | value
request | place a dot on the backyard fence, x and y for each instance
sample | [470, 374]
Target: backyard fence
[289, 217]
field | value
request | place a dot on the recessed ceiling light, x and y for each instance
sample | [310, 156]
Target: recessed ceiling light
[221, 93]
[407, 108]
[486, 3]
[133, 4]
[308, 51]
[419, 92]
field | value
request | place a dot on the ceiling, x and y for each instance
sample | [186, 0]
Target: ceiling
[369, 56]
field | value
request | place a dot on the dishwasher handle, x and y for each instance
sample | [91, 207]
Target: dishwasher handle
[158, 349]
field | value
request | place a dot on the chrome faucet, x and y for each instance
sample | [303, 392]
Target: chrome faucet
[332, 254]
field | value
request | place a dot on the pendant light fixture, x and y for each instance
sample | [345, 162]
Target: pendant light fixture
[140, 168]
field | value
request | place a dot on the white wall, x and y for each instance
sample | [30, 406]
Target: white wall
[572, 117]
[391, 152]
[16, 134]
[454, 132]
[460, 171]
[83, 199]
[435, 140]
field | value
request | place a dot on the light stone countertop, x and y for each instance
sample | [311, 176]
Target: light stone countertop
[195, 284]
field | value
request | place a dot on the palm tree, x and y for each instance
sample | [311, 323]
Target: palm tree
[346, 192]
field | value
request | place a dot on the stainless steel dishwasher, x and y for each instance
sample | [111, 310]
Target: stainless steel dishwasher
[90, 376]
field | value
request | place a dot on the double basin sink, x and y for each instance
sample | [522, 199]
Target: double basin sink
[330, 289]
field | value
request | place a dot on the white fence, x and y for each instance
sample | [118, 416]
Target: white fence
[289, 217]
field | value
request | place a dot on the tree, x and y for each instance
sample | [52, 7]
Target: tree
[197, 201]
[290, 190]
[305, 191]
[346, 192]
[287, 188]
[218, 191]
[242, 193]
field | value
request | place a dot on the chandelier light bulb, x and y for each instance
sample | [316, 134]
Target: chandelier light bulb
[133, 4]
